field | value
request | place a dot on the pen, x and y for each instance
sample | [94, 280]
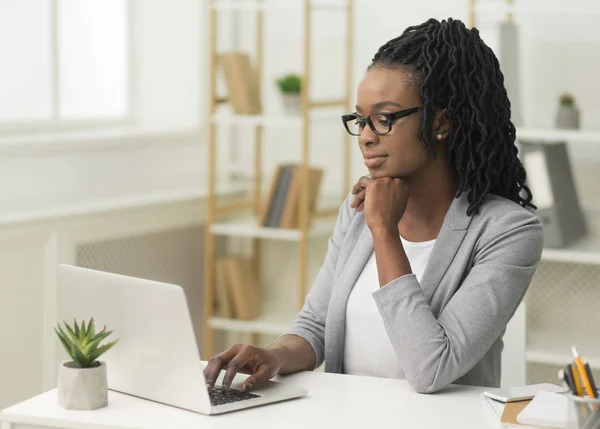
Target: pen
[586, 382]
[569, 379]
[563, 377]
[588, 372]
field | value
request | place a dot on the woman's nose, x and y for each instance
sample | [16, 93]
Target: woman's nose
[368, 137]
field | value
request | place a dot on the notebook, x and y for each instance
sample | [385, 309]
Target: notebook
[546, 409]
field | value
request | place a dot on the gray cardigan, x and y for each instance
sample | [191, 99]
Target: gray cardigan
[448, 328]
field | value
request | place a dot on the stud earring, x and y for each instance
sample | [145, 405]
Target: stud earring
[439, 136]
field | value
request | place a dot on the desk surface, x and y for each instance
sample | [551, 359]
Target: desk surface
[333, 401]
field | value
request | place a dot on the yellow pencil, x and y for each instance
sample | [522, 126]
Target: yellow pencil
[576, 380]
[583, 374]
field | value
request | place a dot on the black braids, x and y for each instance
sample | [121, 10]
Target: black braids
[458, 72]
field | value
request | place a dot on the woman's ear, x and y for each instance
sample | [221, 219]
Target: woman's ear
[441, 125]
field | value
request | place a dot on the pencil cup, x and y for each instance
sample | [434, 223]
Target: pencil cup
[583, 412]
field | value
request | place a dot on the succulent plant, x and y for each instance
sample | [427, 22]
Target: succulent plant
[290, 83]
[82, 343]
[567, 100]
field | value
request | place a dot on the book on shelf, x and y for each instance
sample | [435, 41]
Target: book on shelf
[242, 82]
[238, 292]
[283, 202]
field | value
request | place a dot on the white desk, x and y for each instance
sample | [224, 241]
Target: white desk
[334, 401]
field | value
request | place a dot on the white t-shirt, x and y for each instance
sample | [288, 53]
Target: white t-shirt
[368, 350]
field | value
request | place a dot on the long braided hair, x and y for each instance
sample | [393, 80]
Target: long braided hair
[458, 72]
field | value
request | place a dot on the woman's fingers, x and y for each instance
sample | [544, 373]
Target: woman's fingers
[234, 367]
[263, 373]
[358, 200]
[217, 363]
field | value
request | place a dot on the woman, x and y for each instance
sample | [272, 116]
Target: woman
[433, 252]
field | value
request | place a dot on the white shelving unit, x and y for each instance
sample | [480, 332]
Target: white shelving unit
[563, 298]
[275, 319]
[240, 221]
[274, 121]
[551, 136]
[274, 5]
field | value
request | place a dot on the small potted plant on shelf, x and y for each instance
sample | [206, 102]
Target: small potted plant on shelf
[82, 381]
[567, 116]
[290, 86]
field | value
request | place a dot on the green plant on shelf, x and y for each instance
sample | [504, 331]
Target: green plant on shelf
[567, 100]
[290, 83]
[82, 342]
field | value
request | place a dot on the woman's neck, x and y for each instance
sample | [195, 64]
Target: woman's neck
[430, 198]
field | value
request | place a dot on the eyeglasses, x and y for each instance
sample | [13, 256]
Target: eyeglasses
[380, 123]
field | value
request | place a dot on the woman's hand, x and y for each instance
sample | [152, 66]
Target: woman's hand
[383, 201]
[261, 364]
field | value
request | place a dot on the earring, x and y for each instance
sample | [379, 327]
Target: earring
[439, 136]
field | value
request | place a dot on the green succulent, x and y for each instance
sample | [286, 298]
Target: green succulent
[290, 83]
[82, 343]
[567, 100]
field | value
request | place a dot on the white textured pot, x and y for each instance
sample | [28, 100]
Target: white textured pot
[82, 388]
[292, 104]
[567, 117]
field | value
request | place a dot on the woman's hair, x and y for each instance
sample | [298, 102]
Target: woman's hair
[458, 72]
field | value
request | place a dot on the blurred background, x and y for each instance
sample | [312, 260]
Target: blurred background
[175, 140]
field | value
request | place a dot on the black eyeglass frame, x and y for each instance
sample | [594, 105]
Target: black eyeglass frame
[391, 117]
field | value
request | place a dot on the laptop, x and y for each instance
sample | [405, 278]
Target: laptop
[157, 356]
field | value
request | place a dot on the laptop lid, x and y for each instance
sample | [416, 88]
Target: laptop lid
[157, 356]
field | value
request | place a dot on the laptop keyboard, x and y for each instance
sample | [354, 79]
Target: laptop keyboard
[218, 397]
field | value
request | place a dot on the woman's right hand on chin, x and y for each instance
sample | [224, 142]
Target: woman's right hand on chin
[261, 364]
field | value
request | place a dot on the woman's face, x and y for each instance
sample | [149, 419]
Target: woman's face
[398, 153]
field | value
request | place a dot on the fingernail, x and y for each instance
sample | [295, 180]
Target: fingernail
[248, 387]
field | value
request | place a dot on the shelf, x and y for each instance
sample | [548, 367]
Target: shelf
[258, 5]
[553, 347]
[584, 251]
[275, 320]
[247, 227]
[550, 136]
[275, 120]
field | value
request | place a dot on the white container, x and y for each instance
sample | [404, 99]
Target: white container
[82, 388]
[583, 412]
[567, 117]
[292, 103]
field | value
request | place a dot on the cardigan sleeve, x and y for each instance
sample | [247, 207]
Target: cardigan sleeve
[310, 321]
[436, 352]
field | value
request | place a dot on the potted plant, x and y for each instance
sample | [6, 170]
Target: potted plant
[567, 116]
[82, 381]
[290, 86]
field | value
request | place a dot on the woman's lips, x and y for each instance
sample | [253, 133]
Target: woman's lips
[375, 161]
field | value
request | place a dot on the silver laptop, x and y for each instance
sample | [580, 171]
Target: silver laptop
[156, 357]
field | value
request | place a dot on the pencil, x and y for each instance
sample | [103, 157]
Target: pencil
[581, 369]
[576, 379]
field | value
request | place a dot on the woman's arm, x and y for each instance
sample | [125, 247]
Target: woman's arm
[436, 352]
[310, 322]
[295, 354]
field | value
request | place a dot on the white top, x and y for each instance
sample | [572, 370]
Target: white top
[333, 400]
[367, 349]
